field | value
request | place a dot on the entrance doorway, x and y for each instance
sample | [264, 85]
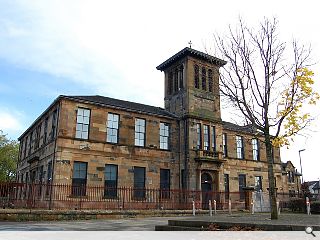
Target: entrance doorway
[206, 188]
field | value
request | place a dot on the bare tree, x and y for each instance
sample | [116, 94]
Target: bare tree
[267, 84]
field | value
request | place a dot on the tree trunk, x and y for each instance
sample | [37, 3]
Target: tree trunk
[272, 190]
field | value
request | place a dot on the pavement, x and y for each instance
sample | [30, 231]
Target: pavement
[286, 222]
[148, 224]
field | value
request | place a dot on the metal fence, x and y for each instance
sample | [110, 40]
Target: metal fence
[66, 196]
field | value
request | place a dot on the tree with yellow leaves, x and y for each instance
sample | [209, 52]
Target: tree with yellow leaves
[269, 84]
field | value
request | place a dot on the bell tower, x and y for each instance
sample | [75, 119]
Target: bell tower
[191, 80]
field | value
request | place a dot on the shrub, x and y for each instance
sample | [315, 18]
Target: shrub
[315, 207]
[297, 204]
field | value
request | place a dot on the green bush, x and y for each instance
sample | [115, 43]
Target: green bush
[297, 205]
[315, 207]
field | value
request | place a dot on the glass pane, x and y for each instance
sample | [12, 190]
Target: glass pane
[86, 113]
[78, 134]
[84, 135]
[80, 112]
[79, 119]
[86, 120]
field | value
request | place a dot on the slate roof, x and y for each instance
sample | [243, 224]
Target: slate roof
[124, 105]
[191, 52]
[234, 127]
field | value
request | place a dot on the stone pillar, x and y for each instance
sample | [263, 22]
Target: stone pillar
[248, 197]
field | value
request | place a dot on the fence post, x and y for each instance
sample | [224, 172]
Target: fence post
[308, 206]
[215, 206]
[193, 208]
[229, 206]
[278, 207]
[210, 208]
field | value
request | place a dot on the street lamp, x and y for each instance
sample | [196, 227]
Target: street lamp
[301, 150]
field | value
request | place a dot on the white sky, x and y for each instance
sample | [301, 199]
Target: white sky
[114, 47]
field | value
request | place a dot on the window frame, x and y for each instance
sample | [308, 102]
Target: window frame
[199, 136]
[82, 123]
[165, 182]
[225, 145]
[162, 137]
[258, 183]
[241, 191]
[240, 147]
[210, 80]
[255, 149]
[206, 137]
[204, 79]
[139, 133]
[111, 187]
[139, 190]
[112, 128]
[196, 76]
[79, 185]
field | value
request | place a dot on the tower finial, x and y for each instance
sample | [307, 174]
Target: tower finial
[190, 43]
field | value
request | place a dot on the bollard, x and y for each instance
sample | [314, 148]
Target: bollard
[210, 208]
[278, 207]
[229, 206]
[215, 206]
[308, 206]
[252, 206]
[193, 208]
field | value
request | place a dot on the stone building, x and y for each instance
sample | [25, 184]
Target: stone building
[96, 140]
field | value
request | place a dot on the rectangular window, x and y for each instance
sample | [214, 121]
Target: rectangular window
[164, 183]
[204, 79]
[25, 146]
[226, 186]
[54, 125]
[170, 83]
[139, 182]
[183, 179]
[45, 131]
[199, 136]
[49, 178]
[210, 79]
[83, 122]
[176, 80]
[112, 128]
[258, 183]
[213, 139]
[110, 180]
[240, 149]
[242, 184]
[224, 145]
[206, 138]
[140, 132]
[79, 179]
[255, 149]
[37, 139]
[30, 142]
[164, 135]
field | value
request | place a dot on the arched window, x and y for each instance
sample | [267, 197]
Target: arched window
[204, 79]
[196, 76]
[210, 79]
[181, 77]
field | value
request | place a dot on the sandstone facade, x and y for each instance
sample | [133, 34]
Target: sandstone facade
[197, 158]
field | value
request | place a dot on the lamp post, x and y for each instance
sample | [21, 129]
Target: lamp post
[301, 150]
